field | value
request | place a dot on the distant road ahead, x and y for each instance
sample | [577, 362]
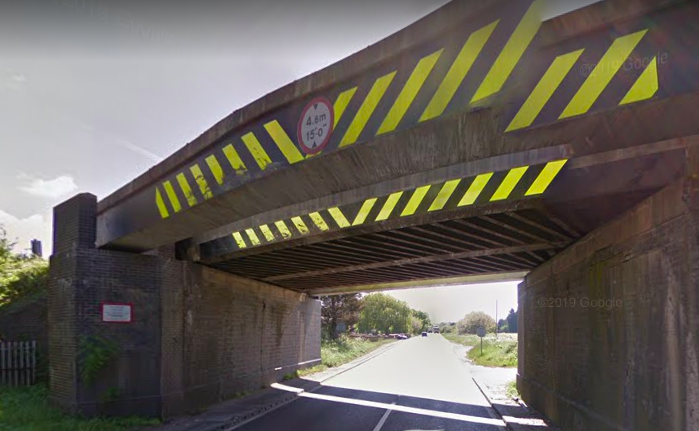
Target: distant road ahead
[420, 384]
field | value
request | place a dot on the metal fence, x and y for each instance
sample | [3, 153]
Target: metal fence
[18, 363]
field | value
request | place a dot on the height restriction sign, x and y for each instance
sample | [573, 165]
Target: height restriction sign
[316, 125]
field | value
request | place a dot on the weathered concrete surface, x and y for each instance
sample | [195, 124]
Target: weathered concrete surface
[628, 364]
[197, 336]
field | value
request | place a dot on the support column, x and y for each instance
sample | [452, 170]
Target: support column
[609, 329]
[99, 367]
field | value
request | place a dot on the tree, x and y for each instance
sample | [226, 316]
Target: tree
[20, 276]
[502, 325]
[423, 318]
[472, 321]
[339, 308]
[385, 314]
[512, 321]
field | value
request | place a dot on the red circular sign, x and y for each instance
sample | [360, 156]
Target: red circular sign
[315, 125]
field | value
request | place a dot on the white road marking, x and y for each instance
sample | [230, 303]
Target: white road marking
[383, 419]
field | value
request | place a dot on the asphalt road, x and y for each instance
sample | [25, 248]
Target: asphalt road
[419, 384]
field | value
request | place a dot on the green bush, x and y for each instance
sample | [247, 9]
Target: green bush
[470, 323]
[22, 278]
[343, 350]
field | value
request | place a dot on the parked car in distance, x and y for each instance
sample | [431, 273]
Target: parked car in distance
[424, 334]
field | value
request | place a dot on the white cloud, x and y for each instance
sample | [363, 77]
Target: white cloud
[27, 229]
[19, 78]
[55, 188]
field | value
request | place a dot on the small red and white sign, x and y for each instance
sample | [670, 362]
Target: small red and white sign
[116, 312]
[316, 125]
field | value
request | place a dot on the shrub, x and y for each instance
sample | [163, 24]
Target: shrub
[470, 323]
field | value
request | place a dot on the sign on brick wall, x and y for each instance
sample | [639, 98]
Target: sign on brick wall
[116, 312]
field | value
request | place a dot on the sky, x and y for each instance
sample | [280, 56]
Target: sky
[95, 92]
[452, 303]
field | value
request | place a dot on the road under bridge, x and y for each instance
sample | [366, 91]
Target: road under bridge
[480, 143]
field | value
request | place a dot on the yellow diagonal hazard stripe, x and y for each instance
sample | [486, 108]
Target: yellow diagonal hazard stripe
[160, 203]
[458, 71]
[364, 211]
[287, 147]
[258, 153]
[368, 106]
[267, 232]
[415, 201]
[389, 206]
[545, 178]
[201, 182]
[300, 225]
[186, 190]
[253, 237]
[319, 221]
[512, 52]
[172, 196]
[645, 86]
[409, 92]
[343, 100]
[509, 183]
[238, 238]
[234, 159]
[475, 189]
[339, 217]
[283, 229]
[544, 90]
[444, 194]
[215, 169]
[602, 74]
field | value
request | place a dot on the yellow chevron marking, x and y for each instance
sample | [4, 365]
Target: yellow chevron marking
[283, 229]
[187, 190]
[343, 100]
[389, 206]
[602, 74]
[287, 147]
[509, 183]
[201, 181]
[458, 71]
[234, 159]
[339, 218]
[512, 52]
[267, 232]
[544, 90]
[372, 100]
[253, 236]
[258, 153]
[300, 225]
[645, 87]
[164, 213]
[545, 178]
[319, 221]
[215, 168]
[239, 240]
[415, 201]
[172, 196]
[475, 189]
[443, 197]
[364, 211]
[409, 92]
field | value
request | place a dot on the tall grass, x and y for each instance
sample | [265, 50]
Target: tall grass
[338, 352]
[28, 409]
[497, 352]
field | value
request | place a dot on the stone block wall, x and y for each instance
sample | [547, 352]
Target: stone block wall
[609, 328]
[198, 335]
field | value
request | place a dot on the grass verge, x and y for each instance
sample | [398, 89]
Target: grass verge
[512, 390]
[341, 351]
[497, 352]
[28, 409]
